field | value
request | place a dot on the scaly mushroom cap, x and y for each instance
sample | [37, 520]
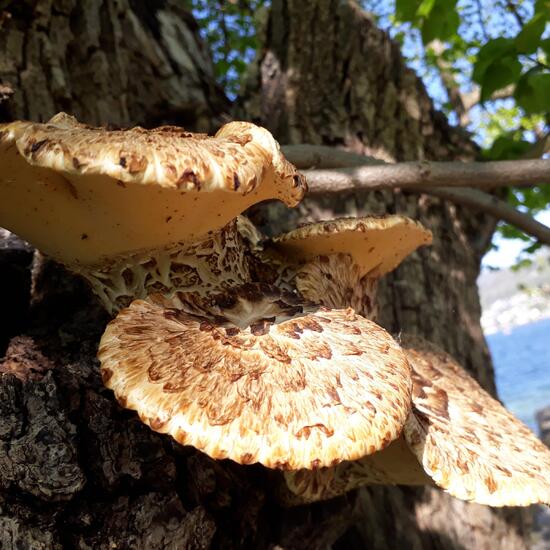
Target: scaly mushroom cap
[213, 264]
[84, 194]
[336, 282]
[466, 440]
[256, 376]
[376, 244]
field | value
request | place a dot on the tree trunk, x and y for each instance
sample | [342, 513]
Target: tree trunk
[119, 62]
[77, 471]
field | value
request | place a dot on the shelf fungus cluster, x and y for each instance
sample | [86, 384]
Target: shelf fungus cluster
[252, 349]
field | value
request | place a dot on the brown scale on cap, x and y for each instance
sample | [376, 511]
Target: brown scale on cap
[336, 282]
[132, 190]
[466, 440]
[304, 391]
[218, 262]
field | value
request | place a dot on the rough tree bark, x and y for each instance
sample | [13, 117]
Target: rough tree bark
[76, 471]
[118, 62]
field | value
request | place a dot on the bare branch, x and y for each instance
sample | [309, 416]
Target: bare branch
[503, 173]
[441, 179]
[515, 12]
[449, 82]
[482, 21]
[472, 98]
[492, 205]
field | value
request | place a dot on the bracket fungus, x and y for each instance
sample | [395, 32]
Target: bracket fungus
[466, 441]
[338, 262]
[102, 201]
[255, 375]
[292, 373]
[456, 437]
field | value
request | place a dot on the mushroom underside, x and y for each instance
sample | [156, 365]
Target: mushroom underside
[87, 195]
[377, 244]
[214, 264]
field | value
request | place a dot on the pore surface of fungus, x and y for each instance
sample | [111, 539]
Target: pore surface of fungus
[84, 195]
[336, 281]
[218, 262]
[256, 376]
[377, 244]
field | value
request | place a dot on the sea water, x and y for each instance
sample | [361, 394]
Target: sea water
[522, 369]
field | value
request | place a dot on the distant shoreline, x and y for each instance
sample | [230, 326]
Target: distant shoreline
[521, 309]
[512, 298]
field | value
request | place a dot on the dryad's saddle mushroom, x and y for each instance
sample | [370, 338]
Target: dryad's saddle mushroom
[129, 208]
[253, 349]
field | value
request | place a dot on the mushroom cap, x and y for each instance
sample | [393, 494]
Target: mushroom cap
[466, 440]
[82, 194]
[377, 244]
[256, 376]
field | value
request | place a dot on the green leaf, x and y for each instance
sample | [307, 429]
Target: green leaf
[442, 21]
[425, 8]
[525, 262]
[500, 73]
[533, 92]
[532, 248]
[543, 7]
[545, 45]
[511, 232]
[490, 52]
[528, 40]
[405, 10]
[506, 147]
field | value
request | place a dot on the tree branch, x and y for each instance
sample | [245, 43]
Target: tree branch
[492, 205]
[305, 156]
[539, 148]
[472, 98]
[503, 173]
[449, 82]
[344, 171]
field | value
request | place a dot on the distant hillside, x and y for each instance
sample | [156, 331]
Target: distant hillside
[510, 298]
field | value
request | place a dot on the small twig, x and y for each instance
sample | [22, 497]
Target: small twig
[492, 205]
[539, 148]
[473, 98]
[519, 19]
[481, 21]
